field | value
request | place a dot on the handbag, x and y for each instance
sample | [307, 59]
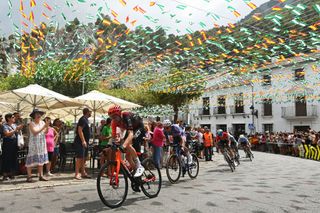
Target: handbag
[20, 140]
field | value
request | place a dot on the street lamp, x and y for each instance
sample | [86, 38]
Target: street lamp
[253, 111]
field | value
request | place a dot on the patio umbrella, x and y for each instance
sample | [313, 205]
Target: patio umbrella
[33, 96]
[100, 102]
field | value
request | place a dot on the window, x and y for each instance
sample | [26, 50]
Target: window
[222, 126]
[221, 105]
[299, 74]
[238, 104]
[206, 106]
[267, 107]
[266, 80]
[268, 127]
[301, 106]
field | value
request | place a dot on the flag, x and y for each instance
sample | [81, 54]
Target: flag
[32, 3]
[21, 5]
[123, 2]
[276, 8]
[31, 16]
[47, 6]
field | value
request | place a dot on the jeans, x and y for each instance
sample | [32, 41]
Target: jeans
[157, 155]
[208, 153]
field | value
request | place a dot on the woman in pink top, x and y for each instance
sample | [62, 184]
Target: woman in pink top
[157, 142]
[51, 136]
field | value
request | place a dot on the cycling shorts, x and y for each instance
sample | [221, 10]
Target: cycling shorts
[177, 139]
[223, 144]
[244, 143]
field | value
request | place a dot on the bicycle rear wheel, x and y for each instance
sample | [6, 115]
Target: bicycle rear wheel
[193, 170]
[250, 154]
[151, 179]
[112, 192]
[173, 169]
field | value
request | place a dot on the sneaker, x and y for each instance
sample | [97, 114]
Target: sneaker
[49, 174]
[139, 171]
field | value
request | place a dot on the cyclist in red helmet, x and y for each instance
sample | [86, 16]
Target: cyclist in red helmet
[129, 122]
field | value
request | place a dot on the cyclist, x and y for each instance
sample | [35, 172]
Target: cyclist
[223, 141]
[244, 142]
[132, 124]
[176, 132]
[233, 143]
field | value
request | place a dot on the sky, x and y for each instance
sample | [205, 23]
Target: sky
[176, 16]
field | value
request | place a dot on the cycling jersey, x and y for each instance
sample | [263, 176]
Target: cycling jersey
[232, 140]
[243, 140]
[175, 132]
[223, 140]
[129, 121]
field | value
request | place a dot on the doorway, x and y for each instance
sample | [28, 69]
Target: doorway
[301, 128]
[238, 129]
[222, 126]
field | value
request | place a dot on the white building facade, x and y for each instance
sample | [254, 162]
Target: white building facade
[283, 98]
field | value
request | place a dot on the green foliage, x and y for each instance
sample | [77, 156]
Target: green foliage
[143, 98]
[62, 77]
[14, 81]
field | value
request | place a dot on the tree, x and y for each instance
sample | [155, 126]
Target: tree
[61, 77]
[178, 88]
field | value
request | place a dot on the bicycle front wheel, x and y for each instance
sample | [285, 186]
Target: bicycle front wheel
[193, 170]
[112, 188]
[229, 161]
[151, 179]
[173, 169]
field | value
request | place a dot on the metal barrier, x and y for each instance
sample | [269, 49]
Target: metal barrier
[304, 150]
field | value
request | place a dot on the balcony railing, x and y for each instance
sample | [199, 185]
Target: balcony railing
[219, 111]
[236, 110]
[291, 113]
[206, 111]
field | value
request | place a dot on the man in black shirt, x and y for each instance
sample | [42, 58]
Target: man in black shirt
[81, 143]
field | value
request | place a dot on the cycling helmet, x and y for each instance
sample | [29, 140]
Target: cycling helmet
[219, 132]
[114, 110]
[241, 136]
[166, 123]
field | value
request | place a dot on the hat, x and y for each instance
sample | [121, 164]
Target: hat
[36, 111]
[205, 127]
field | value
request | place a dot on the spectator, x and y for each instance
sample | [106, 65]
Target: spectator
[37, 149]
[59, 147]
[105, 139]
[200, 139]
[9, 147]
[207, 142]
[157, 143]
[51, 139]
[99, 130]
[105, 135]
[81, 144]
[18, 122]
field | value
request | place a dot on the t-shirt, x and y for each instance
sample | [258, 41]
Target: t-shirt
[158, 137]
[106, 132]
[50, 140]
[84, 123]
[200, 137]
